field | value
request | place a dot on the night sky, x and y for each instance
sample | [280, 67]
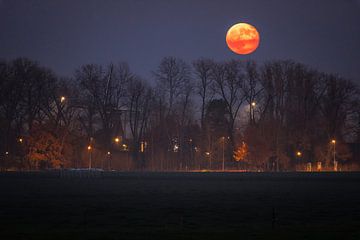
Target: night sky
[64, 34]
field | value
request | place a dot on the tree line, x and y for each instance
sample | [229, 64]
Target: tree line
[275, 116]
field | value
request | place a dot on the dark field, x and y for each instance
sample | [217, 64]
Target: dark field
[180, 206]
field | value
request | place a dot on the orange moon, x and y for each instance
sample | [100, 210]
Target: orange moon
[242, 38]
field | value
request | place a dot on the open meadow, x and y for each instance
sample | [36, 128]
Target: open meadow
[114, 205]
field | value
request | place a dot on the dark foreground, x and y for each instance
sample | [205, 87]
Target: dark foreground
[180, 206]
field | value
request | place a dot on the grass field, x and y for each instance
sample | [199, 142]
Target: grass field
[180, 206]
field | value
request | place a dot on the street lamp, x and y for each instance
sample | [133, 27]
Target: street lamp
[109, 160]
[89, 148]
[62, 99]
[252, 111]
[333, 142]
[299, 155]
[117, 140]
[223, 154]
[208, 154]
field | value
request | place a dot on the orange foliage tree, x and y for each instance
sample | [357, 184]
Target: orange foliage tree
[44, 150]
[241, 152]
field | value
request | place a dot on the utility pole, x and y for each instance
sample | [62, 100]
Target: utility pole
[223, 154]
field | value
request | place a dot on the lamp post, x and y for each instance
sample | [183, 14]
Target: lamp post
[89, 148]
[209, 155]
[223, 154]
[333, 142]
[307, 165]
[109, 160]
[252, 111]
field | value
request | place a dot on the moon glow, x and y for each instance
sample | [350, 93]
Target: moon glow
[242, 38]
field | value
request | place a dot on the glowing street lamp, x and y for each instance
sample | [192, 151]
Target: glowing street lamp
[89, 148]
[21, 140]
[252, 111]
[62, 99]
[117, 140]
[108, 159]
[298, 153]
[333, 142]
[208, 154]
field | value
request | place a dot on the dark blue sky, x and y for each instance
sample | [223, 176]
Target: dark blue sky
[64, 34]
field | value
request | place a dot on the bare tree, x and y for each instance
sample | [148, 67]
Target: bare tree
[251, 88]
[138, 103]
[229, 81]
[203, 72]
[171, 75]
[89, 78]
[174, 91]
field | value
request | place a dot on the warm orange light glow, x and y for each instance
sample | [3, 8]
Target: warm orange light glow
[241, 152]
[89, 147]
[142, 147]
[20, 140]
[333, 141]
[298, 153]
[108, 153]
[62, 99]
[253, 104]
[117, 139]
[242, 38]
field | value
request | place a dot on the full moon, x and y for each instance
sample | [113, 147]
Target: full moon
[242, 38]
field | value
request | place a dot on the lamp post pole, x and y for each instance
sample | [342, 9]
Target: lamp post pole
[252, 112]
[223, 154]
[90, 160]
[90, 152]
[334, 154]
[90, 157]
